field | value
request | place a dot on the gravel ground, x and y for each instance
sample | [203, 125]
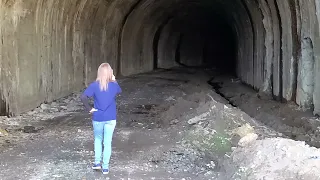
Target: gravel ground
[171, 125]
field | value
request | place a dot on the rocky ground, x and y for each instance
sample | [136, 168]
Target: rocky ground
[171, 125]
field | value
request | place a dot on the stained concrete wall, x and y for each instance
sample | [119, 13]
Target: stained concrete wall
[43, 49]
[51, 48]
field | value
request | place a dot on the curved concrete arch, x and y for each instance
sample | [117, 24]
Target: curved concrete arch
[138, 34]
[288, 60]
[115, 21]
[167, 44]
[255, 15]
[134, 25]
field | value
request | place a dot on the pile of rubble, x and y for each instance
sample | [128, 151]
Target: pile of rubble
[46, 111]
[277, 159]
[242, 148]
[13, 129]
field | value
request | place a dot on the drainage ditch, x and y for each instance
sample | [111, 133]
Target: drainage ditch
[217, 86]
[286, 118]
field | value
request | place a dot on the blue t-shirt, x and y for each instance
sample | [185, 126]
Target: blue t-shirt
[104, 101]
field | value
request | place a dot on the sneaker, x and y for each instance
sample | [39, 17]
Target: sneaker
[105, 171]
[96, 166]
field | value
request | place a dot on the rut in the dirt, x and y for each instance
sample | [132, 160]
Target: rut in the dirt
[286, 118]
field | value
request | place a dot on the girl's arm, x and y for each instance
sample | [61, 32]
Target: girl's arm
[89, 92]
[119, 89]
[85, 101]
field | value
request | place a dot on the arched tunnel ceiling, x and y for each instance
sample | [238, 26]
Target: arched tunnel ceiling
[51, 48]
[148, 16]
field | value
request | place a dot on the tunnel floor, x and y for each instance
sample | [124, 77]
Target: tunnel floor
[55, 140]
[145, 145]
[286, 118]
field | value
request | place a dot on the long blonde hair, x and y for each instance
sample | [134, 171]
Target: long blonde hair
[104, 76]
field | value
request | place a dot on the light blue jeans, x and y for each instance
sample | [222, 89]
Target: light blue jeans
[103, 133]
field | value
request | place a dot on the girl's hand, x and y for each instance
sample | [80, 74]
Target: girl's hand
[92, 110]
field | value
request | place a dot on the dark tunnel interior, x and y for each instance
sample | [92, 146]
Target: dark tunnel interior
[220, 46]
[205, 40]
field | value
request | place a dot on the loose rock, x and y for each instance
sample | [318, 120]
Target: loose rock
[3, 132]
[246, 140]
[30, 129]
[44, 106]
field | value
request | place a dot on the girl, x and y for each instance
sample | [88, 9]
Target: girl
[104, 91]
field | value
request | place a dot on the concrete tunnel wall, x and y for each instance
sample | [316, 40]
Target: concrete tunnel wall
[51, 48]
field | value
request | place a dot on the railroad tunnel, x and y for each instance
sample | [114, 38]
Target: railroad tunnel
[52, 48]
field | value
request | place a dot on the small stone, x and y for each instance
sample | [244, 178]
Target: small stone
[30, 113]
[243, 130]
[198, 118]
[54, 109]
[64, 107]
[37, 109]
[54, 104]
[171, 98]
[175, 121]
[3, 132]
[246, 140]
[44, 106]
[29, 129]
[66, 101]
[79, 130]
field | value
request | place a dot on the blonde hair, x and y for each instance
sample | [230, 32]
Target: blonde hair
[104, 76]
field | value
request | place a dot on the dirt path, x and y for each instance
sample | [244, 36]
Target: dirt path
[64, 151]
[63, 147]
